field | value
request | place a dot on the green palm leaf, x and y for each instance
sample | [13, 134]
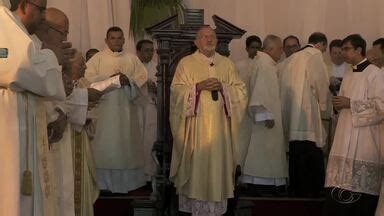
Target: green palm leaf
[145, 13]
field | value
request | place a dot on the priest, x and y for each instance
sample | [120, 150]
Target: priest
[145, 51]
[304, 92]
[85, 183]
[265, 165]
[54, 31]
[206, 107]
[28, 75]
[355, 162]
[245, 68]
[118, 142]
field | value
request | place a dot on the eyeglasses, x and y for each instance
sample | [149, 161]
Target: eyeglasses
[41, 9]
[346, 48]
[63, 33]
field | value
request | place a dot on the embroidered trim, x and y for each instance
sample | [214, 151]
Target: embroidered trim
[354, 175]
[362, 106]
[193, 102]
[78, 170]
[364, 113]
[201, 208]
[197, 99]
[226, 102]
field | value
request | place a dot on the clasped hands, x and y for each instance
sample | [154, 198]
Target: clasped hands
[341, 102]
[210, 84]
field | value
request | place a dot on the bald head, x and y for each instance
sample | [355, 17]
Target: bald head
[375, 56]
[56, 17]
[56, 26]
[206, 40]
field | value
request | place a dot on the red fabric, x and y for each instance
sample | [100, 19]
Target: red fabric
[197, 99]
[225, 102]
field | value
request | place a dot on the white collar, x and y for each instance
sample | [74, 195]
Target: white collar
[210, 59]
[355, 66]
[115, 54]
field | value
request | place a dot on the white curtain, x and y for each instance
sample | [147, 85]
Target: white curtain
[335, 18]
[90, 19]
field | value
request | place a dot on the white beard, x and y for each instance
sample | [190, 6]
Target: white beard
[210, 48]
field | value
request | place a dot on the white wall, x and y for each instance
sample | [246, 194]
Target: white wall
[335, 18]
[90, 19]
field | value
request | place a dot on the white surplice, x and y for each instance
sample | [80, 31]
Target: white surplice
[118, 142]
[355, 161]
[26, 72]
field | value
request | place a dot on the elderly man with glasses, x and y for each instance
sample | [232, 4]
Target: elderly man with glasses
[67, 120]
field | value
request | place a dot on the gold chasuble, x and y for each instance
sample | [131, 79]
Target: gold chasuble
[205, 131]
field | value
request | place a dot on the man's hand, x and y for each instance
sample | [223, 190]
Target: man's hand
[210, 84]
[152, 86]
[269, 124]
[122, 77]
[68, 52]
[124, 80]
[68, 85]
[63, 52]
[341, 102]
[56, 129]
[94, 95]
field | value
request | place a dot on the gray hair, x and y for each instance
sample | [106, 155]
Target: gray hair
[269, 40]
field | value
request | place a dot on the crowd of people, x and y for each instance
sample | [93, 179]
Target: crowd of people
[73, 126]
[314, 94]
